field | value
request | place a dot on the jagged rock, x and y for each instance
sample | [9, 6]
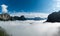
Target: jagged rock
[54, 17]
[4, 16]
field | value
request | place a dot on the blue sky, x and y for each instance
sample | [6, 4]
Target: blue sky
[29, 5]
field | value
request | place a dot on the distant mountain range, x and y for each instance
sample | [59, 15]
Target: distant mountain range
[36, 18]
[7, 17]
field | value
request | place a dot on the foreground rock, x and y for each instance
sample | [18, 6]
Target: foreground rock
[3, 32]
[54, 17]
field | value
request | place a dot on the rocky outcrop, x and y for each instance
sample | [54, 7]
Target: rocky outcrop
[54, 17]
[4, 16]
[7, 17]
[3, 32]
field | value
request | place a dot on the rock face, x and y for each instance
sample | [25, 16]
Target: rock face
[4, 16]
[54, 17]
[3, 32]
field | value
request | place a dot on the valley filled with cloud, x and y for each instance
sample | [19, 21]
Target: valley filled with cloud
[31, 28]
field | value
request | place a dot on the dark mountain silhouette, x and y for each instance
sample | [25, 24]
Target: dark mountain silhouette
[54, 17]
[18, 18]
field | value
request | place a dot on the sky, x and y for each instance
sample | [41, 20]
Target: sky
[43, 6]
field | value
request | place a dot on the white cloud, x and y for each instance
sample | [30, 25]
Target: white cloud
[24, 28]
[4, 8]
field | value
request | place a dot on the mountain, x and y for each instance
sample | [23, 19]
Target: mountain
[36, 18]
[54, 17]
[7, 17]
[18, 18]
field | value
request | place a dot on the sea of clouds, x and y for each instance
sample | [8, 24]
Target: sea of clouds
[31, 28]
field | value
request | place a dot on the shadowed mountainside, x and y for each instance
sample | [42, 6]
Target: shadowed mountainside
[54, 17]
